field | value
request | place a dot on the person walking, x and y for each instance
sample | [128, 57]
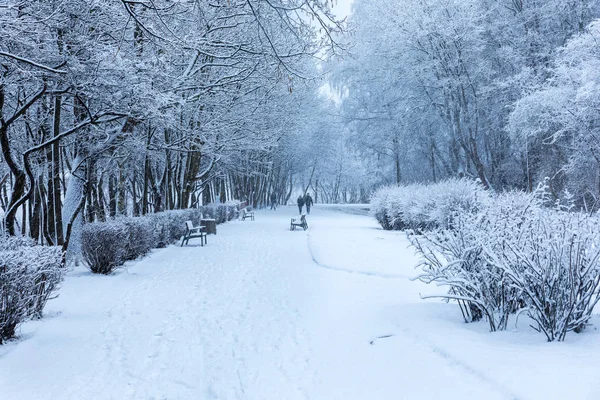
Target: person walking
[308, 201]
[273, 201]
[300, 203]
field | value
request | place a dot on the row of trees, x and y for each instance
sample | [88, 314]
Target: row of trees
[132, 107]
[505, 91]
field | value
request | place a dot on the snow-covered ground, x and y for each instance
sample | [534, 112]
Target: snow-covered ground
[266, 313]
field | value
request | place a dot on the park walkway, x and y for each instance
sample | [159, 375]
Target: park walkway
[266, 313]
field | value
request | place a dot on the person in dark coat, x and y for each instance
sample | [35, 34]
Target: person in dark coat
[273, 201]
[300, 203]
[308, 201]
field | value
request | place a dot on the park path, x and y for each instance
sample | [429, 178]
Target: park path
[259, 313]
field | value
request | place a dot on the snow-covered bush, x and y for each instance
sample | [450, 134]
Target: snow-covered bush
[552, 259]
[517, 255]
[164, 226]
[29, 276]
[141, 236]
[455, 258]
[107, 245]
[380, 205]
[104, 245]
[425, 207]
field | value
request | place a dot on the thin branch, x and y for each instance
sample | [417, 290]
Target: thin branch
[33, 63]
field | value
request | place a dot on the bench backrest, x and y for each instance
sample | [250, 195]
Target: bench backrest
[189, 225]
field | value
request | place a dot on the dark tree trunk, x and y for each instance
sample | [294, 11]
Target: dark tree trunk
[192, 169]
[36, 211]
[112, 196]
[121, 198]
[136, 203]
[100, 202]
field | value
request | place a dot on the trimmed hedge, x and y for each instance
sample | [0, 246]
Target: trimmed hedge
[422, 207]
[107, 245]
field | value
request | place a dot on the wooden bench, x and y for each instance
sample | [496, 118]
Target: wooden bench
[300, 223]
[192, 231]
[247, 212]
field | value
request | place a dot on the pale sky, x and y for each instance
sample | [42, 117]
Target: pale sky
[342, 8]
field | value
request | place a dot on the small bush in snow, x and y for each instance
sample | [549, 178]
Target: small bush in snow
[425, 207]
[104, 245]
[516, 255]
[29, 276]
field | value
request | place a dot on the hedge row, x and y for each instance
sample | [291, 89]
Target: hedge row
[107, 245]
[29, 275]
[422, 207]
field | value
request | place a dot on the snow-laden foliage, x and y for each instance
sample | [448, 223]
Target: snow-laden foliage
[455, 258]
[104, 245]
[141, 237]
[517, 255]
[29, 276]
[107, 245]
[563, 114]
[435, 86]
[424, 207]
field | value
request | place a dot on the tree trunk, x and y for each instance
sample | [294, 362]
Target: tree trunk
[121, 197]
[54, 216]
[189, 176]
[35, 213]
[112, 196]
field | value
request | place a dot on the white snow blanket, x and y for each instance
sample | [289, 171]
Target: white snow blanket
[266, 313]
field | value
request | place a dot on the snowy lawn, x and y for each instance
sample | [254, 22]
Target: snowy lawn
[265, 313]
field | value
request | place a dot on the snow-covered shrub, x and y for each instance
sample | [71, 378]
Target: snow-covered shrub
[380, 205]
[552, 259]
[516, 255]
[425, 207]
[455, 258]
[163, 228]
[104, 245]
[141, 236]
[29, 276]
[107, 245]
